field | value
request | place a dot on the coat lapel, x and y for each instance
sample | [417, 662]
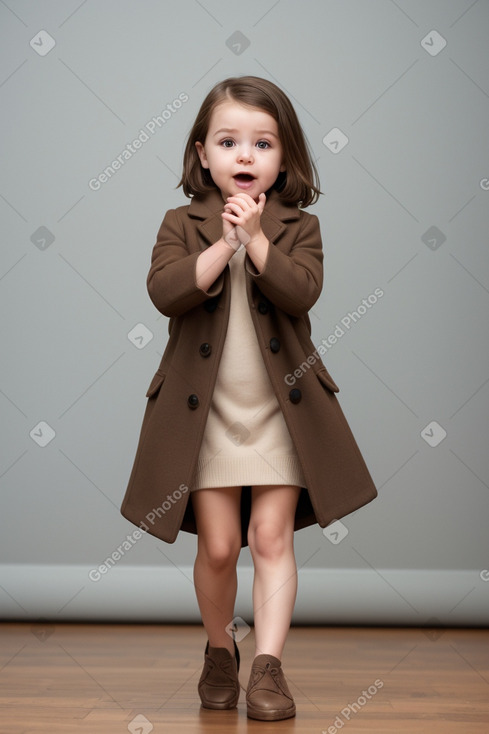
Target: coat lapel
[208, 209]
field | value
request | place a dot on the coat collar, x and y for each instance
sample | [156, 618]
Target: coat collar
[209, 208]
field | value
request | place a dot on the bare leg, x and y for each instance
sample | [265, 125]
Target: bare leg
[217, 514]
[271, 541]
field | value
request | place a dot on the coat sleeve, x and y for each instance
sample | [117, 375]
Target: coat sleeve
[293, 281]
[171, 279]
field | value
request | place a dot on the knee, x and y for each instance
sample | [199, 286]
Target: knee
[220, 553]
[268, 540]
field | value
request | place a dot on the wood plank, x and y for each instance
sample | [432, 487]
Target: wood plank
[96, 678]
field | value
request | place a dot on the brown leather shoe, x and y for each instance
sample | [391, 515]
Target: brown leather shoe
[268, 697]
[219, 684]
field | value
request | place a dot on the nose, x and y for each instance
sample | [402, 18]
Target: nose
[245, 154]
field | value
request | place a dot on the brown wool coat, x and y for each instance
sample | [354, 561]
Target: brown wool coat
[158, 495]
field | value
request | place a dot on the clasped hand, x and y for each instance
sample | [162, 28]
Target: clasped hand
[241, 219]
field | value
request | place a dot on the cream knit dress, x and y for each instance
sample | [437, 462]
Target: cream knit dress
[246, 440]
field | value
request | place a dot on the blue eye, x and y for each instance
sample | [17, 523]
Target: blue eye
[224, 143]
[263, 144]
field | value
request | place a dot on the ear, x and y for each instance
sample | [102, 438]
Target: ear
[201, 154]
[282, 167]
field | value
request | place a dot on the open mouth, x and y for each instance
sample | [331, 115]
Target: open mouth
[243, 178]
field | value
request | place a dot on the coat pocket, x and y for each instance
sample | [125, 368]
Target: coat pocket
[326, 379]
[156, 383]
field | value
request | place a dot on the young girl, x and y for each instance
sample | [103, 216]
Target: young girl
[243, 440]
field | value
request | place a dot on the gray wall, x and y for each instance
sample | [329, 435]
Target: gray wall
[405, 210]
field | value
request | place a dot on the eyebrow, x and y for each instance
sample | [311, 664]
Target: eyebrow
[234, 130]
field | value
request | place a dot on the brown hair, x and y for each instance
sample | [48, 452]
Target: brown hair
[299, 183]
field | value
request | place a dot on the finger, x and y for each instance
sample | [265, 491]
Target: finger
[234, 208]
[241, 195]
[231, 218]
[246, 198]
[242, 200]
[262, 200]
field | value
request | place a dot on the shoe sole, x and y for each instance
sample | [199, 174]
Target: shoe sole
[271, 715]
[220, 706]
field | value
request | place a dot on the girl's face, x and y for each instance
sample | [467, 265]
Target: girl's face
[242, 150]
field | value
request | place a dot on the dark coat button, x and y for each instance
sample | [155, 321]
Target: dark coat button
[274, 344]
[295, 395]
[210, 305]
[263, 307]
[205, 349]
[193, 401]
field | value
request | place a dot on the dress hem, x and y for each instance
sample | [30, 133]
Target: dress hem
[248, 471]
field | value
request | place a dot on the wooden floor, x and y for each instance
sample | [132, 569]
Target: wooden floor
[98, 678]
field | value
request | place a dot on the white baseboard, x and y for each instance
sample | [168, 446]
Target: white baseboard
[165, 594]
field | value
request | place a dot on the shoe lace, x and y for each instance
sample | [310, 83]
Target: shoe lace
[277, 676]
[224, 666]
